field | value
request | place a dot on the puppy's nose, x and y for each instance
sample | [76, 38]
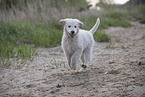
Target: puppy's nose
[72, 32]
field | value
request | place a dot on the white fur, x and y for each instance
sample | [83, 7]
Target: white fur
[78, 45]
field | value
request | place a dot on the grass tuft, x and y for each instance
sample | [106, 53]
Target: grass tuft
[17, 57]
[110, 45]
[53, 64]
[101, 36]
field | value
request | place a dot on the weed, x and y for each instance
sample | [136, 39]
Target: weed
[110, 45]
[117, 40]
[17, 57]
[53, 64]
[56, 63]
[101, 36]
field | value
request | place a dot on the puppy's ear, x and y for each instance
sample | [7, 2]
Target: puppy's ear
[80, 23]
[62, 22]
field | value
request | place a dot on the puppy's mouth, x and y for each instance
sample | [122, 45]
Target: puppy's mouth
[71, 35]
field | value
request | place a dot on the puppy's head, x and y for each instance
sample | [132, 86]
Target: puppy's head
[71, 26]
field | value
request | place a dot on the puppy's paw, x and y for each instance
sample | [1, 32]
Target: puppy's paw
[82, 70]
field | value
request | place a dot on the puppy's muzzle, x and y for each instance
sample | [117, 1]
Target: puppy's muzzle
[72, 34]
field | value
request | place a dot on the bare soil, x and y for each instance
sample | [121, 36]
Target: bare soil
[118, 71]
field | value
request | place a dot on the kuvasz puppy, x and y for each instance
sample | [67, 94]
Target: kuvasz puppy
[77, 44]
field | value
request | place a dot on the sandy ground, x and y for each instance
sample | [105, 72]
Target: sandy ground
[114, 72]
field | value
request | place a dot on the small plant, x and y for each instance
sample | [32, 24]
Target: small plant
[101, 36]
[53, 64]
[18, 56]
[110, 45]
[117, 40]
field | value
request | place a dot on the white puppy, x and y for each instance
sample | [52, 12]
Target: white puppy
[77, 43]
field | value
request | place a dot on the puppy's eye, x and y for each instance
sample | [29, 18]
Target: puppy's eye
[75, 26]
[69, 26]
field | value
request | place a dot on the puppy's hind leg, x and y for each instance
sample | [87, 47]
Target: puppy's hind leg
[82, 59]
[88, 53]
[87, 58]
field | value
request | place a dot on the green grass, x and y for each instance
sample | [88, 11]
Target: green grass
[116, 14]
[137, 12]
[116, 23]
[53, 64]
[108, 19]
[116, 18]
[111, 18]
[101, 36]
[39, 34]
[110, 45]
[12, 45]
[20, 55]
[141, 9]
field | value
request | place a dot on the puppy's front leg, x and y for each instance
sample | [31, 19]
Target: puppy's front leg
[87, 58]
[75, 58]
[68, 57]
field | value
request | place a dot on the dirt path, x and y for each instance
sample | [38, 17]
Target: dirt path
[113, 72]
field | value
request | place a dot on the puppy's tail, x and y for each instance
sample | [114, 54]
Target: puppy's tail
[95, 26]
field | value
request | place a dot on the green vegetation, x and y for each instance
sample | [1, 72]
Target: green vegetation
[110, 45]
[138, 8]
[140, 11]
[53, 64]
[39, 34]
[101, 36]
[12, 45]
[20, 55]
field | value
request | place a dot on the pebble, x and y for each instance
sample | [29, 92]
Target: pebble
[141, 61]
